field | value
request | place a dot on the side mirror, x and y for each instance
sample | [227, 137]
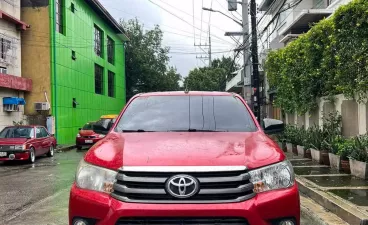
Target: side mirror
[80, 129]
[272, 126]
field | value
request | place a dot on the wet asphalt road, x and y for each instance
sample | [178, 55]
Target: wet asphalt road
[38, 194]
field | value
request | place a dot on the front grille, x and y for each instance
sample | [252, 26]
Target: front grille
[214, 187]
[89, 137]
[181, 221]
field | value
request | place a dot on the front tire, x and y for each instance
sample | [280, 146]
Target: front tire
[32, 155]
[51, 151]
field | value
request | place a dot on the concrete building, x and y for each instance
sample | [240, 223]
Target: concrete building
[12, 85]
[75, 56]
[278, 27]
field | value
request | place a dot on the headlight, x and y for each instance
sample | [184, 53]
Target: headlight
[277, 176]
[101, 136]
[95, 178]
[78, 135]
[19, 147]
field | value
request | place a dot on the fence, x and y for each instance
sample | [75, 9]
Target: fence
[354, 115]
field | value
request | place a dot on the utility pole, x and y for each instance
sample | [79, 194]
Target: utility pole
[245, 43]
[209, 57]
[209, 48]
[256, 101]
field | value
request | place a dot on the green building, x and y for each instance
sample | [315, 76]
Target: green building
[74, 53]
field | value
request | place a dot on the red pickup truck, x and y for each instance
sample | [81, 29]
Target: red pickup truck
[186, 158]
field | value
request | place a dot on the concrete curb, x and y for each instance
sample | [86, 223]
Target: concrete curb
[318, 215]
[347, 211]
[65, 148]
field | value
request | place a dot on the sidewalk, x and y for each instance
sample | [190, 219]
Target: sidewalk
[339, 193]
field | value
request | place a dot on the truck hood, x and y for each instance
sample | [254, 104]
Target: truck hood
[253, 149]
[13, 141]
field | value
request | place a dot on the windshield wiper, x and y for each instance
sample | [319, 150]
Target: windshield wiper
[196, 130]
[135, 131]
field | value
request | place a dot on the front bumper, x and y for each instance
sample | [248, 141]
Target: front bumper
[260, 210]
[19, 155]
[82, 141]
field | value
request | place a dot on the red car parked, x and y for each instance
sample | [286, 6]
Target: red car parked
[87, 136]
[186, 158]
[25, 143]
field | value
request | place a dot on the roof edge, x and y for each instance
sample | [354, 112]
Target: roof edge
[101, 10]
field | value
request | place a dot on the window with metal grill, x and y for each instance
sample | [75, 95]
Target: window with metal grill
[98, 41]
[111, 84]
[5, 46]
[110, 50]
[59, 16]
[99, 84]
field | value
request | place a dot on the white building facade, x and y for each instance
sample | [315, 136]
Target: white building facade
[12, 85]
[282, 22]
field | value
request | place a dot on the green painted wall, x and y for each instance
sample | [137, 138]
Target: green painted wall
[75, 78]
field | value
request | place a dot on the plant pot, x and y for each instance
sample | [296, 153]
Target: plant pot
[359, 169]
[334, 161]
[308, 154]
[316, 155]
[345, 166]
[284, 146]
[295, 150]
[301, 151]
[325, 158]
[289, 147]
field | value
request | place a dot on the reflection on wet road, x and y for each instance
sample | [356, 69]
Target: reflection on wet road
[38, 194]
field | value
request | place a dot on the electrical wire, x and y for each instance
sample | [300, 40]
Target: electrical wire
[184, 20]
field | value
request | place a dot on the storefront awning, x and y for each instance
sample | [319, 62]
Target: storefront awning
[13, 101]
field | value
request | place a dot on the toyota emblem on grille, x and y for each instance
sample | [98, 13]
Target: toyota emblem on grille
[182, 186]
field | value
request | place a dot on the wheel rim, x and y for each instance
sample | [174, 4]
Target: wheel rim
[51, 150]
[32, 156]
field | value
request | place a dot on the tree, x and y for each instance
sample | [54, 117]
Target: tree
[147, 61]
[226, 63]
[211, 78]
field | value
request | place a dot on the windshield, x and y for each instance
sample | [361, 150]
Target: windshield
[187, 113]
[17, 132]
[103, 126]
[88, 126]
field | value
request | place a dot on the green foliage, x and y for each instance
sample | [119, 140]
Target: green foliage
[361, 147]
[331, 58]
[335, 143]
[330, 130]
[345, 148]
[314, 138]
[211, 78]
[147, 61]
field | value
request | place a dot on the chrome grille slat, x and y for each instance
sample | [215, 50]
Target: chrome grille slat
[144, 186]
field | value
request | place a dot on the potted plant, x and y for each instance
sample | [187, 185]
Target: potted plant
[330, 129]
[334, 148]
[281, 140]
[302, 139]
[315, 139]
[289, 137]
[344, 150]
[359, 158]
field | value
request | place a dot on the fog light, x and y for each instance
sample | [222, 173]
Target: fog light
[80, 222]
[287, 222]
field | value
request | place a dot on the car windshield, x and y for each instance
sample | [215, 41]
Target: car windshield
[186, 113]
[103, 126]
[17, 132]
[88, 126]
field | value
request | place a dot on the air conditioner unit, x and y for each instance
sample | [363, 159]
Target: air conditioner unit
[3, 70]
[10, 108]
[42, 106]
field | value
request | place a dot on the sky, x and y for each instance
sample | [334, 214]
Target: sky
[181, 29]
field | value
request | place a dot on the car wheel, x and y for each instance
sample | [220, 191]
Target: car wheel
[32, 155]
[51, 151]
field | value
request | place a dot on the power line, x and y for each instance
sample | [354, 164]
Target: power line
[184, 20]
